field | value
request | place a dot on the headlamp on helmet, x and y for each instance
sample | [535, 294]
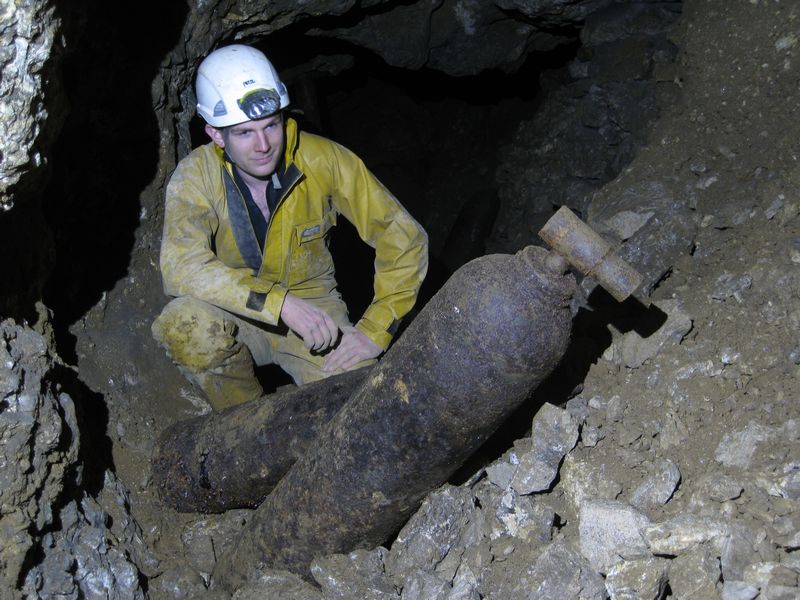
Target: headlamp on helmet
[259, 104]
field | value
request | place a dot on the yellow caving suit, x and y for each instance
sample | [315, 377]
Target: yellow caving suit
[229, 290]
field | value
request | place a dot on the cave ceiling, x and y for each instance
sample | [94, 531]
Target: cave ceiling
[455, 37]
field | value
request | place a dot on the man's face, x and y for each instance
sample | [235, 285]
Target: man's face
[256, 147]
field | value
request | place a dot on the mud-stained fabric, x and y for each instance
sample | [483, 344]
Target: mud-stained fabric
[200, 255]
[217, 350]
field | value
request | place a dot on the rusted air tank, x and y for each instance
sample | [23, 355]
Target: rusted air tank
[495, 330]
[234, 458]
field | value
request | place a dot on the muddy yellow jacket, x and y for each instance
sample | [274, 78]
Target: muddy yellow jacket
[209, 249]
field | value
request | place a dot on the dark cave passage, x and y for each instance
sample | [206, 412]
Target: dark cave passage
[106, 155]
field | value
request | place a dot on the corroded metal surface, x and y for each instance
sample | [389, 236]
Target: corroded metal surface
[234, 458]
[589, 253]
[473, 354]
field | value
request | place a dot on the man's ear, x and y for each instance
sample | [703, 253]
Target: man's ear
[215, 135]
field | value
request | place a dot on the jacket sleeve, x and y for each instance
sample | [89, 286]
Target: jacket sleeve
[190, 267]
[400, 243]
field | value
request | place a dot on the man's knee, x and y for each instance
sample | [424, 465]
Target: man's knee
[195, 334]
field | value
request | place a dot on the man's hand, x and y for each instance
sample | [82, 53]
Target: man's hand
[354, 347]
[311, 323]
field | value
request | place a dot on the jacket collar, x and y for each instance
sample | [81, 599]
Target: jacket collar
[292, 140]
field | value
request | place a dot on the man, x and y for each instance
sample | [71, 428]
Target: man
[245, 243]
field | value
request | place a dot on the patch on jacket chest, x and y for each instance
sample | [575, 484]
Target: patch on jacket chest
[309, 231]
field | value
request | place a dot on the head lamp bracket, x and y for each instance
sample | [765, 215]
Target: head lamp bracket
[260, 103]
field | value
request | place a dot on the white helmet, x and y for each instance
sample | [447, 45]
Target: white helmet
[236, 84]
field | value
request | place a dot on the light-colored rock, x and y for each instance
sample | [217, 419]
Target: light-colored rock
[39, 441]
[554, 433]
[673, 431]
[737, 448]
[83, 558]
[270, 583]
[591, 436]
[440, 525]
[738, 552]
[205, 539]
[770, 574]
[469, 576]
[501, 472]
[465, 585]
[582, 480]
[180, 582]
[635, 350]
[643, 579]
[667, 234]
[658, 487]
[524, 517]
[780, 592]
[785, 483]
[730, 285]
[738, 590]
[682, 534]
[557, 572]
[561, 573]
[695, 575]
[627, 222]
[26, 38]
[610, 531]
[422, 585]
[715, 488]
[359, 574]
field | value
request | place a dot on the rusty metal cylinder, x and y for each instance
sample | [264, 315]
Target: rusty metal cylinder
[234, 458]
[589, 253]
[495, 330]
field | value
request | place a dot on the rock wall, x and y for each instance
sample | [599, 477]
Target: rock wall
[57, 540]
[593, 119]
[39, 434]
[28, 36]
[31, 112]
[465, 38]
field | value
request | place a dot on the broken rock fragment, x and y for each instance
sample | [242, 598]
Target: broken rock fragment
[658, 487]
[683, 533]
[554, 433]
[639, 578]
[610, 531]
